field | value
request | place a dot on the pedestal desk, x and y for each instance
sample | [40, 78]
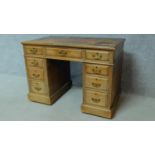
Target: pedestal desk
[48, 71]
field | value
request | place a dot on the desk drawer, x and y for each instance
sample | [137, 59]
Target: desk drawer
[58, 52]
[96, 98]
[96, 82]
[34, 62]
[97, 69]
[35, 73]
[38, 87]
[103, 56]
[32, 50]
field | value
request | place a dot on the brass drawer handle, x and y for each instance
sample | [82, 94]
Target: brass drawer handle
[97, 56]
[62, 53]
[37, 88]
[96, 85]
[96, 70]
[96, 100]
[35, 63]
[36, 75]
[33, 50]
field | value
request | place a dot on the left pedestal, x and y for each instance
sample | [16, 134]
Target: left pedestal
[46, 78]
[37, 80]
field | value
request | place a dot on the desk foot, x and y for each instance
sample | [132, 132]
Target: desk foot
[39, 98]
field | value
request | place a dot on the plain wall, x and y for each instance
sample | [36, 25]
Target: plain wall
[138, 68]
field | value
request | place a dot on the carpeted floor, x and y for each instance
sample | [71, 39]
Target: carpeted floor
[14, 105]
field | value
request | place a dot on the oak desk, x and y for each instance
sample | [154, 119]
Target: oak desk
[48, 70]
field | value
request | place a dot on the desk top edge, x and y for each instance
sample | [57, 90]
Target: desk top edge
[78, 42]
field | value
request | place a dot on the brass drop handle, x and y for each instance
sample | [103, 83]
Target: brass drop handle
[35, 63]
[96, 84]
[97, 56]
[33, 50]
[96, 100]
[37, 88]
[36, 75]
[62, 53]
[96, 70]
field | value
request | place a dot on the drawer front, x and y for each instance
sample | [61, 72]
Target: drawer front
[34, 62]
[97, 69]
[71, 53]
[96, 82]
[35, 73]
[96, 98]
[30, 50]
[38, 87]
[105, 56]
